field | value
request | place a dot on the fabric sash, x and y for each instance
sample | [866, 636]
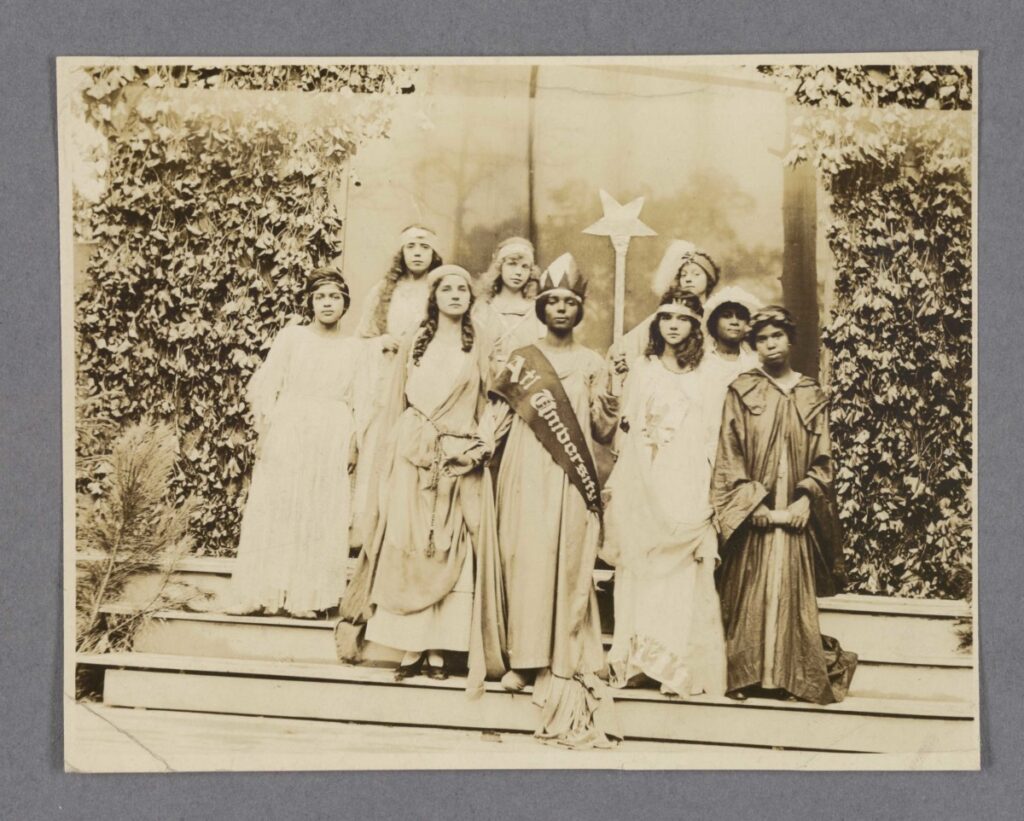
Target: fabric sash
[530, 385]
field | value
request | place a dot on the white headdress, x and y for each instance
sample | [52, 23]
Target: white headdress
[563, 277]
[679, 252]
[731, 294]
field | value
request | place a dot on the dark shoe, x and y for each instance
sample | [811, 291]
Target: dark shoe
[436, 673]
[404, 671]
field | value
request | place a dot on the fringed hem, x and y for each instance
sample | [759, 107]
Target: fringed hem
[577, 712]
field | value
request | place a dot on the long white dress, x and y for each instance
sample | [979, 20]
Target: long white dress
[661, 538]
[293, 548]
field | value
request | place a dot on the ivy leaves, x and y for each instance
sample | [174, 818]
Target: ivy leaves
[208, 228]
[895, 158]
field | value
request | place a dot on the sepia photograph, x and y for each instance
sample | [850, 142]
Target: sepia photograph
[519, 413]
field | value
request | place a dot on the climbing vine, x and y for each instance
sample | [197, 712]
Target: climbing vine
[210, 221]
[893, 147]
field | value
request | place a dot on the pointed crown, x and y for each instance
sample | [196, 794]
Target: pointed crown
[562, 275]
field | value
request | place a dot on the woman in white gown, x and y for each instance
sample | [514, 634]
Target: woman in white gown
[683, 265]
[394, 307]
[505, 306]
[293, 546]
[660, 533]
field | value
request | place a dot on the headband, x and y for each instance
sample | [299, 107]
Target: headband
[323, 277]
[515, 248]
[696, 258]
[772, 315]
[678, 253]
[416, 233]
[678, 309]
[442, 271]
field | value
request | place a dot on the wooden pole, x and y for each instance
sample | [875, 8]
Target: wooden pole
[530, 189]
[799, 258]
[621, 245]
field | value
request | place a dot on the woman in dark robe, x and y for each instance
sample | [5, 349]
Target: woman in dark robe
[782, 547]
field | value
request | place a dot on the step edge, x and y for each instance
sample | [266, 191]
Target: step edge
[965, 661]
[843, 602]
[160, 663]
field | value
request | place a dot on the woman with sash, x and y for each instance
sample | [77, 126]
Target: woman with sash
[660, 534]
[394, 307]
[550, 402]
[415, 580]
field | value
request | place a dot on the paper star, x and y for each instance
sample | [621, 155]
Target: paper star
[620, 220]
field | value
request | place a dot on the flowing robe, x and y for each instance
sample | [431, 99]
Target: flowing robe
[417, 571]
[661, 537]
[293, 545]
[548, 541]
[774, 445]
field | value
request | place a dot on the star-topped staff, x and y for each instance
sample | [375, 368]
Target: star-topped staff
[620, 223]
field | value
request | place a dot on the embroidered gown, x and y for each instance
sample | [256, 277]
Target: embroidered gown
[548, 542]
[774, 444]
[660, 535]
[293, 546]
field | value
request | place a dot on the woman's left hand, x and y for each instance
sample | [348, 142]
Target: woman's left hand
[799, 513]
[620, 364]
[458, 465]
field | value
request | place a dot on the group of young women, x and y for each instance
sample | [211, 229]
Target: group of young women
[452, 441]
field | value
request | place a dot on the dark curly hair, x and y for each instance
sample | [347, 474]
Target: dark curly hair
[691, 351]
[321, 275]
[398, 271]
[428, 327]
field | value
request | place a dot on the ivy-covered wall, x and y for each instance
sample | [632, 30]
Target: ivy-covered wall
[209, 223]
[893, 147]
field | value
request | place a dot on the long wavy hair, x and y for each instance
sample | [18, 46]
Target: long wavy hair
[490, 282]
[691, 351]
[428, 327]
[398, 271]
